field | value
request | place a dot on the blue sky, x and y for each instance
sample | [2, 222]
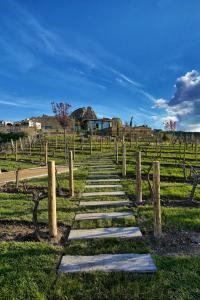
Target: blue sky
[124, 58]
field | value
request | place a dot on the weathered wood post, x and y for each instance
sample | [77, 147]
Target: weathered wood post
[124, 160]
[46, 153]
[12, 145]
[101, 144]
[91, 145]
[56, 142]
[71, 174]
[52, 199]
[195, 148]
[16, 150]
[156, 196]
[138, 188]
[30, 150]
[21, 144]
[74, 147]
[17, 179]
[117, 152]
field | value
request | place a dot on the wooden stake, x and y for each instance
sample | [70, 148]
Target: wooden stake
[21, 145]
[117, 152]
[46, 153]
[156, 193]
[138, 188]
[12, 145]
[124, 160]
[71, 174]
[74, 147]
[52, 199]
[29, 139]
[17, 179]
[101, 144]
[91, 145]
[16, 149]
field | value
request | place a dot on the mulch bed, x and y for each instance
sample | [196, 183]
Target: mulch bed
[22, 231]
[176, 243]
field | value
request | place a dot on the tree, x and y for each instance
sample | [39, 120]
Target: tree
[170, 125]
[131, 122]
[61, 111]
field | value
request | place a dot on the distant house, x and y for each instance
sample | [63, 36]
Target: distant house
[97, 124]
[27, 123]
[5, 123]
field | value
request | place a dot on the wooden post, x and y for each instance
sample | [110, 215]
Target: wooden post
[16, 149]
[17, 178]
[74, 147]
[91, 145]
[101, 144]
[29, 139]
[124, 160]
[46, 153]
[56, 142]
[71, 174]
[12, 145]
[21, 145]
[52, 199]
[156, 194]
[138, 188]
[117, 152]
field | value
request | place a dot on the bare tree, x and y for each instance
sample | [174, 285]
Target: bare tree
[170, 125]
[61, 111]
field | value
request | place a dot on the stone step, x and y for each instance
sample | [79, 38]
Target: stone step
[103, 173]
[96, 194]
[103, 180]
[112, 232]
[102, 166]
[99, 176]
[95, 216]
[140, 263]
[100, 186]
[105, 203]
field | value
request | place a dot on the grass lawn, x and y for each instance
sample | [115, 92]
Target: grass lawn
[27, 270]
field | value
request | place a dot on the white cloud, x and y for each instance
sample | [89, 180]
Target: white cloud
[184, 106]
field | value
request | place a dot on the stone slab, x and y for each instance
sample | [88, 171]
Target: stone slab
[102, 166]
[96, 194]
[95, 216]
[112, 232]
[103, 173]
[105, 203]
[100, 186]
[140, 263]
[103, 176]
[103, 180]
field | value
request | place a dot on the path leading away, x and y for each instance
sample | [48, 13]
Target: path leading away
[103, 203]
[29, 173]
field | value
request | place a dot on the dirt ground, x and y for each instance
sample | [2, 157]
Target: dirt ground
[24, 231]
[177, 243]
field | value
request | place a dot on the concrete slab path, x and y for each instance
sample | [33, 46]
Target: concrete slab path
[141, 263]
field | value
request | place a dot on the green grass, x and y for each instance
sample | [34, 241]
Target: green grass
[27, 270]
